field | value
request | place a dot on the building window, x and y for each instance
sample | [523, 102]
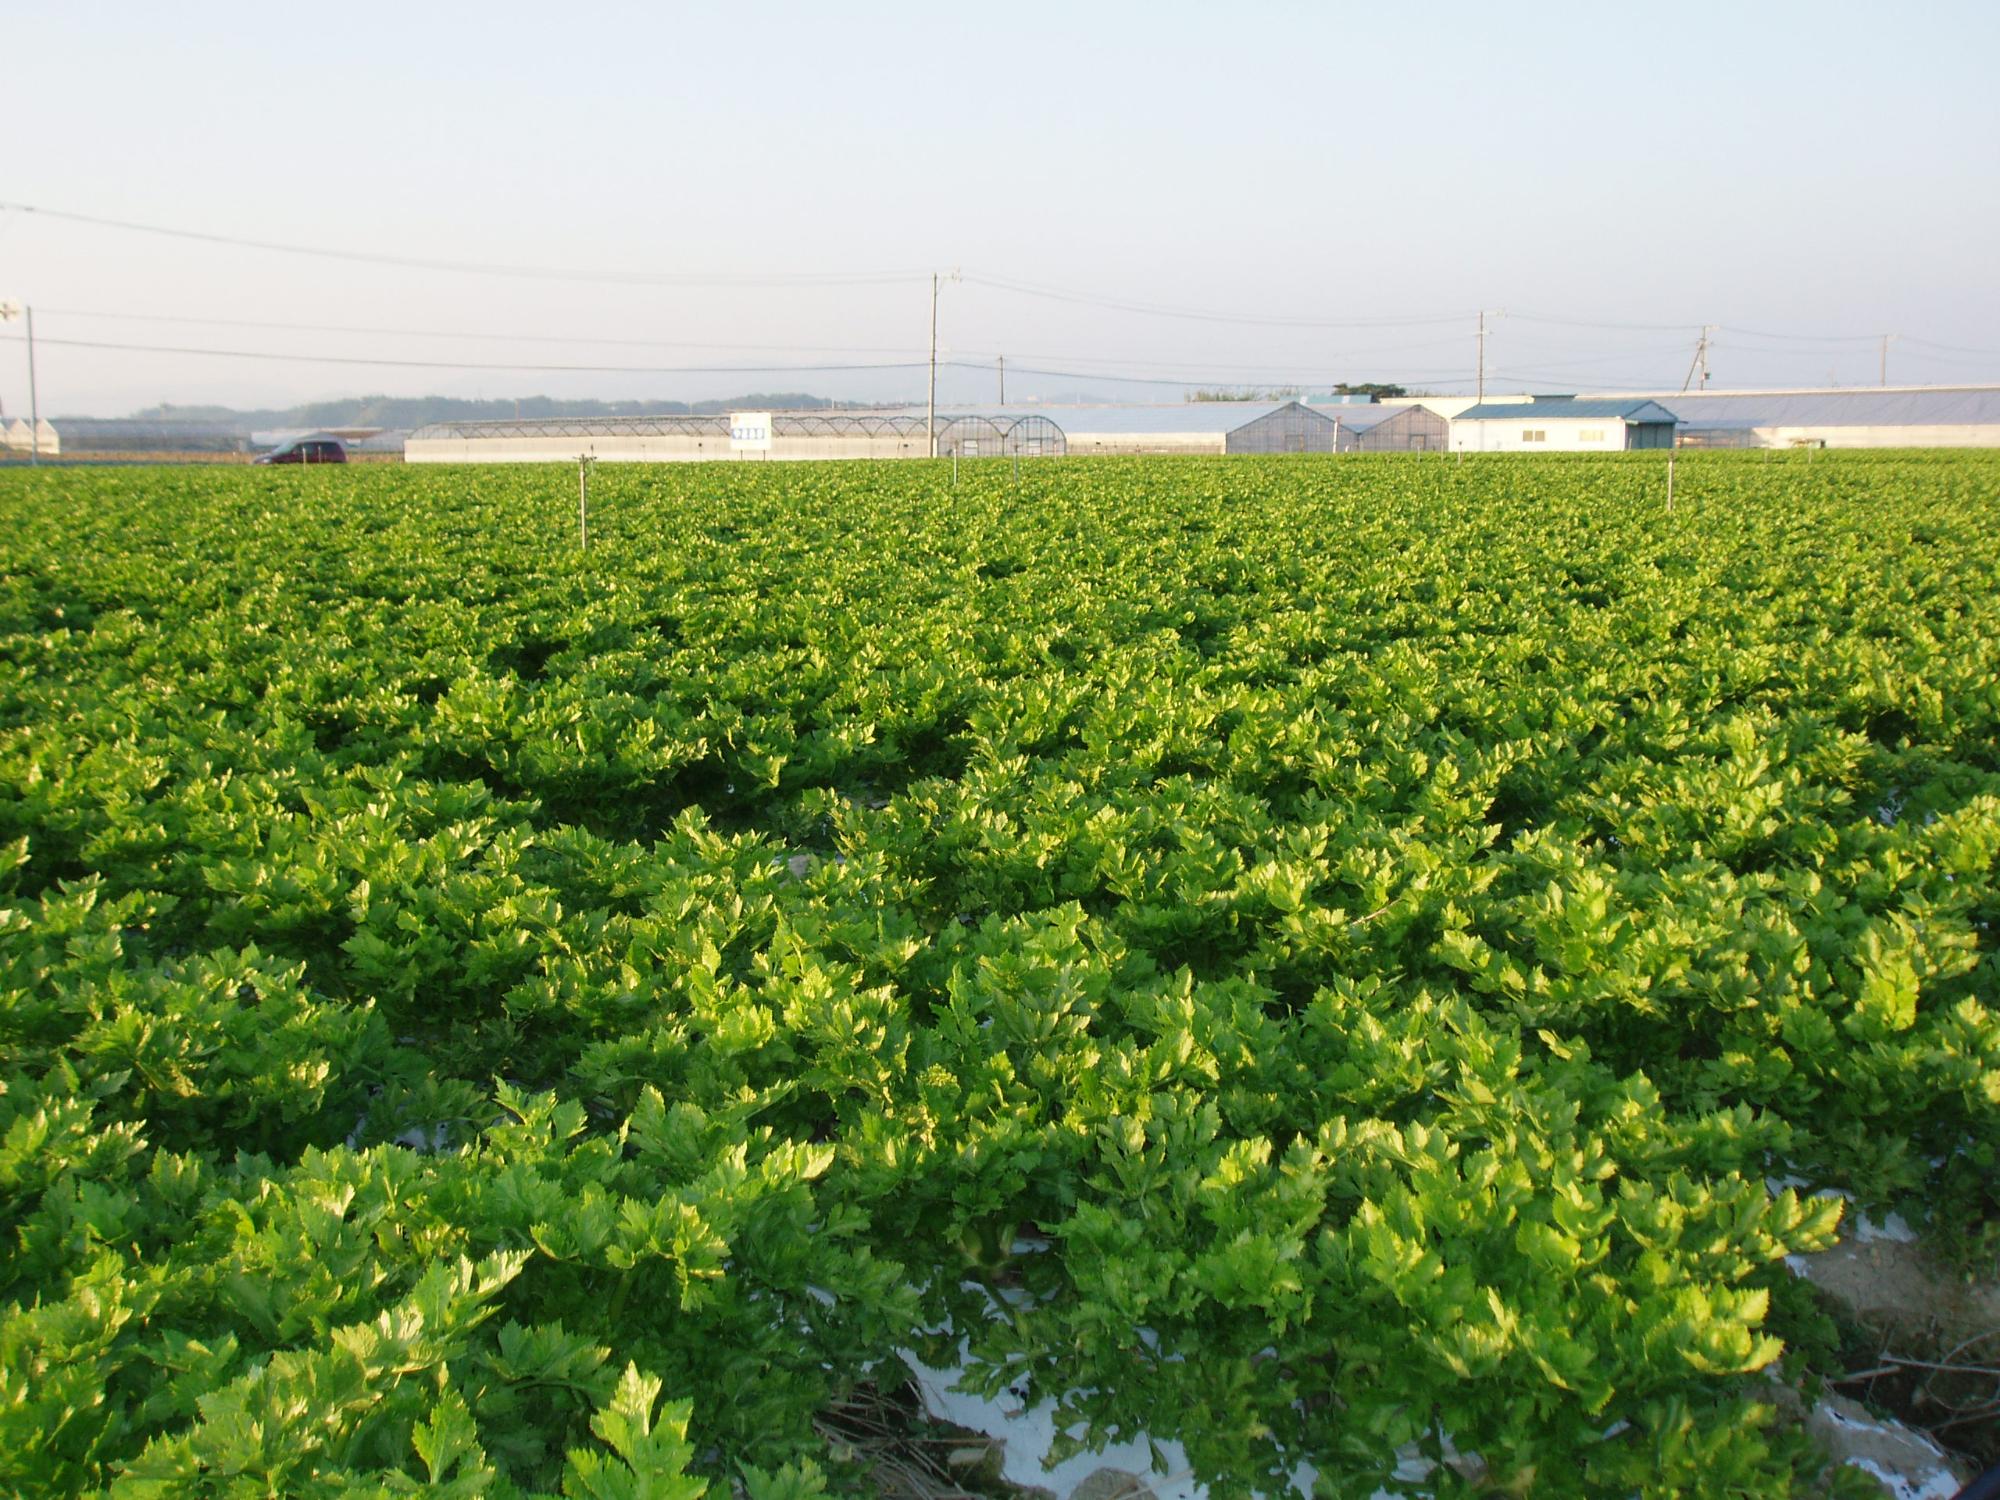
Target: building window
[1534, 435]
[1591, 435]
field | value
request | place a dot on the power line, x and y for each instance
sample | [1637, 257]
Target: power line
[1157, 310]
[191, 320]
[480, 268]
[1267, 378]
[1804, 338]
[1905, 338]
[640, 278]
[469, 364]
[1317, 378]
[13, 212]
[441, 333]
[1529, 317]
[1203, 371]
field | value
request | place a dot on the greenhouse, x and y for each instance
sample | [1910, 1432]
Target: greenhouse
[752, 436]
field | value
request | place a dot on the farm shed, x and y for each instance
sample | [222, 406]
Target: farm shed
[1966, 416]
[1563, 424]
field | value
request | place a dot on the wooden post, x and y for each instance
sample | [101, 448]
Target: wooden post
[583, 501]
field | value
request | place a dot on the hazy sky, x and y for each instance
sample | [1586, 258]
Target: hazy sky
[1332, 179]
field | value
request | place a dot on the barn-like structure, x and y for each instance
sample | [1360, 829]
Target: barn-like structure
[1563, 424]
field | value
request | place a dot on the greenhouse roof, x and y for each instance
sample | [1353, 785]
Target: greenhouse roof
[1938, 406]
[1178, 417]
[1358, 417]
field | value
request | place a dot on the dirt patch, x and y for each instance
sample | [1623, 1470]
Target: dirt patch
[1922, 1339]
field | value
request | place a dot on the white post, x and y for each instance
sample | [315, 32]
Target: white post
[34, 400]
[9, 311]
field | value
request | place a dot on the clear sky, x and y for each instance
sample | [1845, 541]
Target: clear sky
[1333, 179]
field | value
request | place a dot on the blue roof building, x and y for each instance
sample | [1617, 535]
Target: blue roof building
[1563, 424]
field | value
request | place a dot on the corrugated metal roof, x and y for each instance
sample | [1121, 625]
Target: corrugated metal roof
[1628, 410]
[1962, 406]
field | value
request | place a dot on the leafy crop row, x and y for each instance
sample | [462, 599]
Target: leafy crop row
[1303, 956]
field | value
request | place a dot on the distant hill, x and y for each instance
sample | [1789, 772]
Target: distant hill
[415, 411]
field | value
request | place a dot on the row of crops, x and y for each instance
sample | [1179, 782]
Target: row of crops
[1306, 958]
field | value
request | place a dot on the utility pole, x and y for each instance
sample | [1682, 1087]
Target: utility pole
[1700, 365]
[930, 401]
[1480, 387]
[1003, 380]
[1883, 377]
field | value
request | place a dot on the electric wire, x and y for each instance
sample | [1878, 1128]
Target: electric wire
[481, 268]
[1271, 379]
[465, 364]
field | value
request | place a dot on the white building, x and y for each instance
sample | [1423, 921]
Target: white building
[1563, 424]
[16, 436]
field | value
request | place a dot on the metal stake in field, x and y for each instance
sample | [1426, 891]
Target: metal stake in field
[9, 311]
[583, 463]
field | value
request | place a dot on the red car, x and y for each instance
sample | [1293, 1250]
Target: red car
[305, 451]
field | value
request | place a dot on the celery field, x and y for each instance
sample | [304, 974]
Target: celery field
[1303, 956]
